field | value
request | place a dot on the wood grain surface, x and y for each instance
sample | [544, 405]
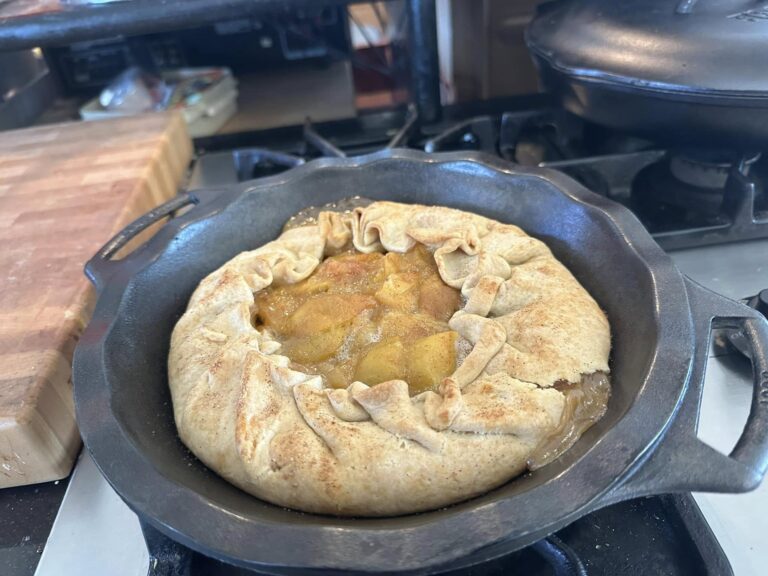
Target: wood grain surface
[64, 191]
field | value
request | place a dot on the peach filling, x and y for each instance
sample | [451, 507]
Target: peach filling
[368, 317]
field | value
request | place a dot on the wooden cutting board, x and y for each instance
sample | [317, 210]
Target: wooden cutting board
[65, 190]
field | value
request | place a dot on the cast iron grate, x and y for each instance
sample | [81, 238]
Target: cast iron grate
[629, 170]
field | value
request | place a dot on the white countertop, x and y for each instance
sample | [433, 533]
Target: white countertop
[740, 521]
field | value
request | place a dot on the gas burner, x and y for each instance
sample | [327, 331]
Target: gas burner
[677, 191]
[686, 189]
[668, 194]
[533, 137]
[707, 169]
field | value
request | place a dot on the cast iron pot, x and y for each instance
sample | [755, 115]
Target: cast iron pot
[646, 443]
[684, 72]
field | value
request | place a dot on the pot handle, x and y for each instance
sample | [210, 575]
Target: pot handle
[683, 463]
[99, 268]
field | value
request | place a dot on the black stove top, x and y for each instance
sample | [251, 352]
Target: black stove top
[644, 537]
[684, 197]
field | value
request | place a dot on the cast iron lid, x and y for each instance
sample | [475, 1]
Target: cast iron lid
[688, 47]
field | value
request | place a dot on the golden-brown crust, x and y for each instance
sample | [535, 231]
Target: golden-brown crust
[275, 432]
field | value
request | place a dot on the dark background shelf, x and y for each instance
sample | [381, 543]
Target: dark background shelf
[75, 23]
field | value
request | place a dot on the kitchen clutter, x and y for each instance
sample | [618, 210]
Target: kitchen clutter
[206, 97]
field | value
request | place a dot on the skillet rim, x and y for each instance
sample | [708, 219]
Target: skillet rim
[187, 516]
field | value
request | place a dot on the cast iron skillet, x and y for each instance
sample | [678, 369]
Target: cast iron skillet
[646, 443]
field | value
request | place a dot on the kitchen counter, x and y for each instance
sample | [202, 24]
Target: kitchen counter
[27, 514]
[65, 190]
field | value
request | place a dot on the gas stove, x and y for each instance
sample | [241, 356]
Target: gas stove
[702, 204]
[685, 198]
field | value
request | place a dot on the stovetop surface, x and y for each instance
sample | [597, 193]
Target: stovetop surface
[685, 198]
[663, 535]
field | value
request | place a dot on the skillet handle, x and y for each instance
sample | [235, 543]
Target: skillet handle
[99, 268]
[683, 463]
[752, 447]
